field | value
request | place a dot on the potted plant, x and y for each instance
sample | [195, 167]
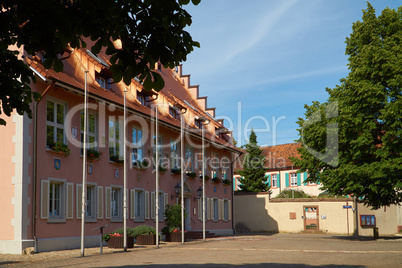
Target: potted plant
[227, 182]
[172, 227]
[93, 155]
[162, 169]
[143, 164]
[145, 235]
[116, 159]
[60, 148]
[191, 174]
[116, 238]
[216, 180]
[206, 177]
[175, 170]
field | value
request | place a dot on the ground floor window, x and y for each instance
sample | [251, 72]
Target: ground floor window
[367, 220]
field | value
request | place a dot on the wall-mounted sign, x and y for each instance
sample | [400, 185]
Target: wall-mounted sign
[89, 169]
[347, 206]
[116, 173]
[74, 132]
[57, 164]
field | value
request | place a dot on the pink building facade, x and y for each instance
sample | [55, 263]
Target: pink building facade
[42, 189]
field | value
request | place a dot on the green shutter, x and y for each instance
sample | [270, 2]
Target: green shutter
[298, 179]
[278, 177]
[287, 179]
[269, 180]
[305, 178]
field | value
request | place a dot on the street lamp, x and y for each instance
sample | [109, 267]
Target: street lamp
[177, 189]
[205, 121]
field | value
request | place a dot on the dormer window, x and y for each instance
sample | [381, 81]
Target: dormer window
[173, 113]
[198, 123]
[142, 99]
[103, 79]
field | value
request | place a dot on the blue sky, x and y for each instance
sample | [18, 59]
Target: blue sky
[261, 62]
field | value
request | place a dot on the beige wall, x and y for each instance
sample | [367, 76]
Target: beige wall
[258, 213]
[387, 219]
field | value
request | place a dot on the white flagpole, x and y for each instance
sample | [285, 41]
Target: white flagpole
[203, 183]
[84, 162]
[182, 178]
[156, 177]
[125, 177]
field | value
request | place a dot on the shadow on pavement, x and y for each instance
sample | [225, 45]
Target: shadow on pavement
[364, 238]
[253, 265]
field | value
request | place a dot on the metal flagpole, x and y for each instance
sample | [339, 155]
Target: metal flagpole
[182, 178]
[84, 161]
[156, 178]
[203, 184]
[125, 177]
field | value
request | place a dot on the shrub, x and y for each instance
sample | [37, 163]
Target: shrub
[287, 193]
[172, 217]
[120, 231]
[143, 229]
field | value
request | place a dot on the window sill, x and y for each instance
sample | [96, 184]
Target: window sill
[140, 220]
[56, 221]
[116, 220]
[56, 153]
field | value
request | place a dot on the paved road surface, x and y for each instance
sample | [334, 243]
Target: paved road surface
[279, 250]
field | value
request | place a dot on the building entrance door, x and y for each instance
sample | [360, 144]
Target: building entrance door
[187, 219]
[311, 218]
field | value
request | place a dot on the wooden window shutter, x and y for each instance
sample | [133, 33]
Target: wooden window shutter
[278, 179]
[79, 201]
[108, 202]
[132, 204]
[220, 209]
[153, 207]
[287, 179]
[298, 179]
[99, 202]
[230, 210]
[44, 204]
[199, 209]
[269, 180]
[166, 196]
[146, 205]
[70, 201]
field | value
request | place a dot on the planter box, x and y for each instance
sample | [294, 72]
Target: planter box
[174, 237]
[146, 240]
[118, 242]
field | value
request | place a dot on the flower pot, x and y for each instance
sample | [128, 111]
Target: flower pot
[118, 242]
[146, 239]
[174, 237]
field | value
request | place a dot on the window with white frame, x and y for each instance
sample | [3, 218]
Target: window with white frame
[274, 180]
[174, 154]
[214, 163]
[116, 203]
[91, 131]
[137, 156]
[56, 200]
[55, 114]
[138, 205]
[56, 210]
[189, 159]
[293, 179]
[114, 139]
[91, 201]
[224, 174]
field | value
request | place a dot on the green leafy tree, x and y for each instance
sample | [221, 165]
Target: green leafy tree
[253, 173]
[150, 31]
[352, 143]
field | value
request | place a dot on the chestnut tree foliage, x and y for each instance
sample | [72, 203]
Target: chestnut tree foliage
[150, 31]
[361, 155]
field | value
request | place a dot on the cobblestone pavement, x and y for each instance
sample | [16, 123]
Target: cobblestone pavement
[278, 250]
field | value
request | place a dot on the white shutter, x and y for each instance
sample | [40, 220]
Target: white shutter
[209, 208]
[132, 209]
[146, 205]
[153, 207]
[199, 209]
[99, 199]
[70, 201]
[108, 202]
[79, 200]
[127, 205]
[229, 210]
[44, 204]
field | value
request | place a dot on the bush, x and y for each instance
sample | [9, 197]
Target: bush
[172, 218]
[143, 229]
[287, 193]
